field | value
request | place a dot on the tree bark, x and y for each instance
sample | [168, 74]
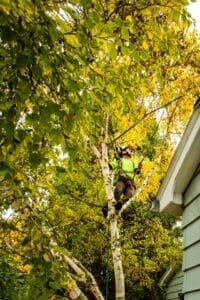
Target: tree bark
[112, 217]
[80, 274]
[114, 230]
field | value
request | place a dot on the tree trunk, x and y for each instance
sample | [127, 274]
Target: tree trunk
[80, 274]
[112, 217]
[114, 230]
[73, 291]
[117, 260]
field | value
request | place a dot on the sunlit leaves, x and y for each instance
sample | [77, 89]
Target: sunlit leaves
[148, 244]
[63, 66]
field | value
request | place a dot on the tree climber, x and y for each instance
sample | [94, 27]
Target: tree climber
[125, 171]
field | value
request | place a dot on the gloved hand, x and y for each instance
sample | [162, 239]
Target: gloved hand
[117, 157]
[110, 167]
[140, 165]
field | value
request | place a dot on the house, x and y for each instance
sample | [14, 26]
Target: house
[173, 282]
[179, 195]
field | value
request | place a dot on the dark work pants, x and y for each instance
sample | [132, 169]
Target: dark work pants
[126, 187]
[123, 186]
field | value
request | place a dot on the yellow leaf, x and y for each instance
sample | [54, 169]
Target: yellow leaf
[150, 35]
[19, 176]
[97, 69]
[27, 7]
[145, 45]
[5, 6]
[25, 269]
[46, 72]
[72, 40]
[129, 18]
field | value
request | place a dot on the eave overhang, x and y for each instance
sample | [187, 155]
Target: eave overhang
[183, 165]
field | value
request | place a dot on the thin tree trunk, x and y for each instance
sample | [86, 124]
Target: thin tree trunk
[112, 218]
[114, 230]
[117, 260]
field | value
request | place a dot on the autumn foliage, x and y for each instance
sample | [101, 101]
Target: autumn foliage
[65, 66]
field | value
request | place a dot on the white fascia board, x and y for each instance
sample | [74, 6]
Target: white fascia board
[182, 167]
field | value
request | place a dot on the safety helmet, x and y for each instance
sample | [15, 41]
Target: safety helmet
[124, 150]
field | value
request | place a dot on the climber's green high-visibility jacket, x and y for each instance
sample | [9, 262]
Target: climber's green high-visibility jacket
[124, 167]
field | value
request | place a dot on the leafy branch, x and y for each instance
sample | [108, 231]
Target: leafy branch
[145, 116]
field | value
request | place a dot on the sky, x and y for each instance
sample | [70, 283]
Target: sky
[194, 9]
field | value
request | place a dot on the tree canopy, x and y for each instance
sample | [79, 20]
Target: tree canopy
[65, 66]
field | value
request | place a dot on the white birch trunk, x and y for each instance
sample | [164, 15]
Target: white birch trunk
[112, 218]
[81, 274]
[73, 291]
[114, 230]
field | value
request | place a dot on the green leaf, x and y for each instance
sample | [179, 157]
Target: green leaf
[85, 2]
[112, 51]
[37, 72]
[145, 55]
[4, 171]
[35, 159]
[125, 50]
[8, 34]
[23, 88]
[23, 61]
[46, 294]
[60, 169]
[125, 32]
[136, 55]
[55, 285]
[9, 127]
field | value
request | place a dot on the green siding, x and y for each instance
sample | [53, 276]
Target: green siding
[172, 296]
[191, 241]
[174, 286]
[193, 190]
[191, 280]
[192, 296]
[191, 256]
[191, 234]
[192, 212]
[177, 279]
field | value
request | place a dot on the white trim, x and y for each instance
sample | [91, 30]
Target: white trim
[182, 167]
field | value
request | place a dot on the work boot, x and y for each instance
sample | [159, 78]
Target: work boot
[118, 206]
[105, 210]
